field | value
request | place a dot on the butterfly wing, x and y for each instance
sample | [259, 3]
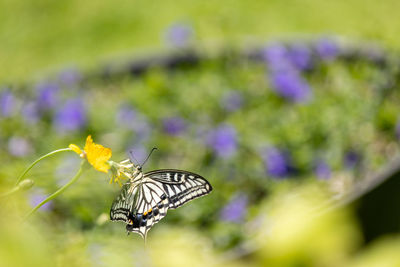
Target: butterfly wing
[151, 206]
[140, 205]
[122, 206]
[180, 186]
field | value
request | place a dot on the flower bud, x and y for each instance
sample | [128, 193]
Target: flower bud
[26, 184]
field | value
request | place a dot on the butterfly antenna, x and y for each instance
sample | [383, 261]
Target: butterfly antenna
[133, 157]
[154, 148]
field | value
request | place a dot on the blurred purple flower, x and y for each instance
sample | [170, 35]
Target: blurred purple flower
[300, 56]
[47, 97]
[327, 49]
[71, 116]
[322, 169]
[179, 34]
[139, 153]
[232, 101]
[19, 147]
[142, 128]
[126, 117]
[223, 140]
[276, 57]
[351, 159]
[290, 85]
[37, 196]
[174, 125]
[30, 112]
[276, 161]
[7, 103]
[130, 119]
[70, 76]
[235, 210]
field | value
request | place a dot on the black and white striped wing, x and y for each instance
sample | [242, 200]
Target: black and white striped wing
[122, 206]
[180, 186]
[140, 206]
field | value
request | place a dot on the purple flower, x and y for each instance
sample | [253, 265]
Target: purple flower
[322, 170]
[130, 119]
[232, 101]
[174, 125]
[138, 153]
[47, 95]
[235, 210]
[179, 34]
[126, 117]
[142, 128]
[290, 85]
[276, 161]
[19, 147]
[351, 159]
[223, 140]
[276, 57]
[327, 49]
[30, 112]
[70, 76]
[7, 103]
[300, 56]
[38, 196]
[71, 116]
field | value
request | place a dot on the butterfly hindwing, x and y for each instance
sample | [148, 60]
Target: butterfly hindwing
[151, 206]
[123, 204]
[180, 186]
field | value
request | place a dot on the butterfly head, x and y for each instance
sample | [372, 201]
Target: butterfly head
[138, 167]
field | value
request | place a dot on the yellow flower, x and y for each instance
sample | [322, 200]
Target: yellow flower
[97, 155]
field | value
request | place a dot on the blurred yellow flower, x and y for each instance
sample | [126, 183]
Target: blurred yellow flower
[96, 154]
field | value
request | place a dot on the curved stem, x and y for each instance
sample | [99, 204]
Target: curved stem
[58, 192]
[39, 159]
[12, 191]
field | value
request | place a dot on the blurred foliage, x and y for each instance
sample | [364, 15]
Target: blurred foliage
[46, 34]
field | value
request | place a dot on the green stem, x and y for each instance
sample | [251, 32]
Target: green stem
[39, 159]
[12, 191]
[58, 192]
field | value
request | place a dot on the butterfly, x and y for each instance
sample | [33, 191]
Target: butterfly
[146, 197]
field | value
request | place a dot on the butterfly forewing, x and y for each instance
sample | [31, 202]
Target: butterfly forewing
[180, 186]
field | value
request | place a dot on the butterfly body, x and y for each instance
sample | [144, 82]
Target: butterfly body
[145, 199]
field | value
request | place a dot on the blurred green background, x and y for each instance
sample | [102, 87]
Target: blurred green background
[39, 36]
[282, 105]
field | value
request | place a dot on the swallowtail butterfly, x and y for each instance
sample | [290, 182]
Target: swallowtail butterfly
[145, 199]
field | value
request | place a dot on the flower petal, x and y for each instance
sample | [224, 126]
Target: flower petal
[97, 155]
[75, 148]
